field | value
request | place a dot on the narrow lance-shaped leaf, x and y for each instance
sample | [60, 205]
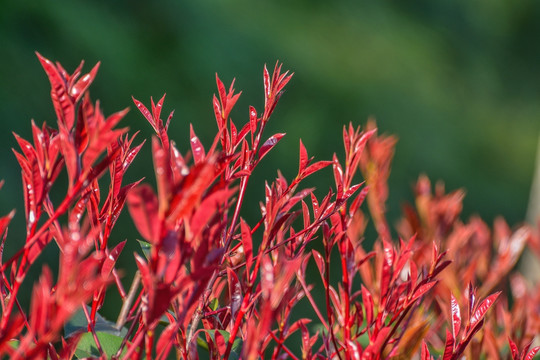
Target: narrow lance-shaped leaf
[456, 316]
[247, 244]
[269, 144]
[303, 161]
[448, 346]
[82, 85]
[483, 308]
[196, 147]
[313, 168]
[532, 353]
[110, 260]
[513, 349]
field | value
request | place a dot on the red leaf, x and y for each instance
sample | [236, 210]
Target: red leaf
[531, 353]
[449, 346]
[143, 208]
[303, 158]
[483, 308]
[252, 121]
[422, 290]
[206, 210]
[368, 306]
[77, 90]
[269, 144]
[217, 112]
[4, 222]
[146, 114]
[320, 263]
[110, 260]
[156, 111]
[196, 147]
[315, 167]
[63, 106]
[456, 316]
[425, 352]
[235, 292]
[513, 349]
[166, 340]
[374, 349]
[247, 244]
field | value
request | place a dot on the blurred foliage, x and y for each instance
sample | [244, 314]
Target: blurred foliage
[457, 81]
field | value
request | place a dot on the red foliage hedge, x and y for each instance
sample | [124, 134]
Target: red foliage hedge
[209, 284]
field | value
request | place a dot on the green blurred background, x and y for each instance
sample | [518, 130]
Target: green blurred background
[457, 81]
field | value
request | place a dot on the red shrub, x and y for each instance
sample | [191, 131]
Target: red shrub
[214, 285]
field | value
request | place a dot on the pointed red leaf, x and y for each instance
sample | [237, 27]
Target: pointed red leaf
[425, 352]
[146, 113]
[252, 121]
[77, 90]
[531, 353]
[315, 167]
[63, 106]
[448, 346]
[217, 112]
[320, 263]
[303, 158]
[235, 291]
[483, 308]
[456, 316]
[197, 148]
[367, 301]
[513, 349]
[269, 144]
[110, 260]
[156, 111]
[422, 290]
[247, 244]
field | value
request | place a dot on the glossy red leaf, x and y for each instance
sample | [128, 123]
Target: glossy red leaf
[247, 244]
[110, 260]
[367, 301]
[313, 168]
[269, 144]
[513, 349]
[448, 346]
[217, 112]
[63, 105]
[156, 111]
[483, 308]
[425, 355]
[146, 113]
[456, 316]
[252, 121]
[80, 87]
[304, 160]
[320, 264]
[197, 148]
[530, 355]
[235, 292]
[4, 223]
[422, 290]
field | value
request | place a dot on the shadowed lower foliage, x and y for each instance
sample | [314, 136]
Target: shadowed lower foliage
[210, 285]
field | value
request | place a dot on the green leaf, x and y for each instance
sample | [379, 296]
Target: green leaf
[87, 346]
[214, 304]
[145, 247]
[78, 323]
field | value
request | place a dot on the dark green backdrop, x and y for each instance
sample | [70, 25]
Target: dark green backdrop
[457, 81]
